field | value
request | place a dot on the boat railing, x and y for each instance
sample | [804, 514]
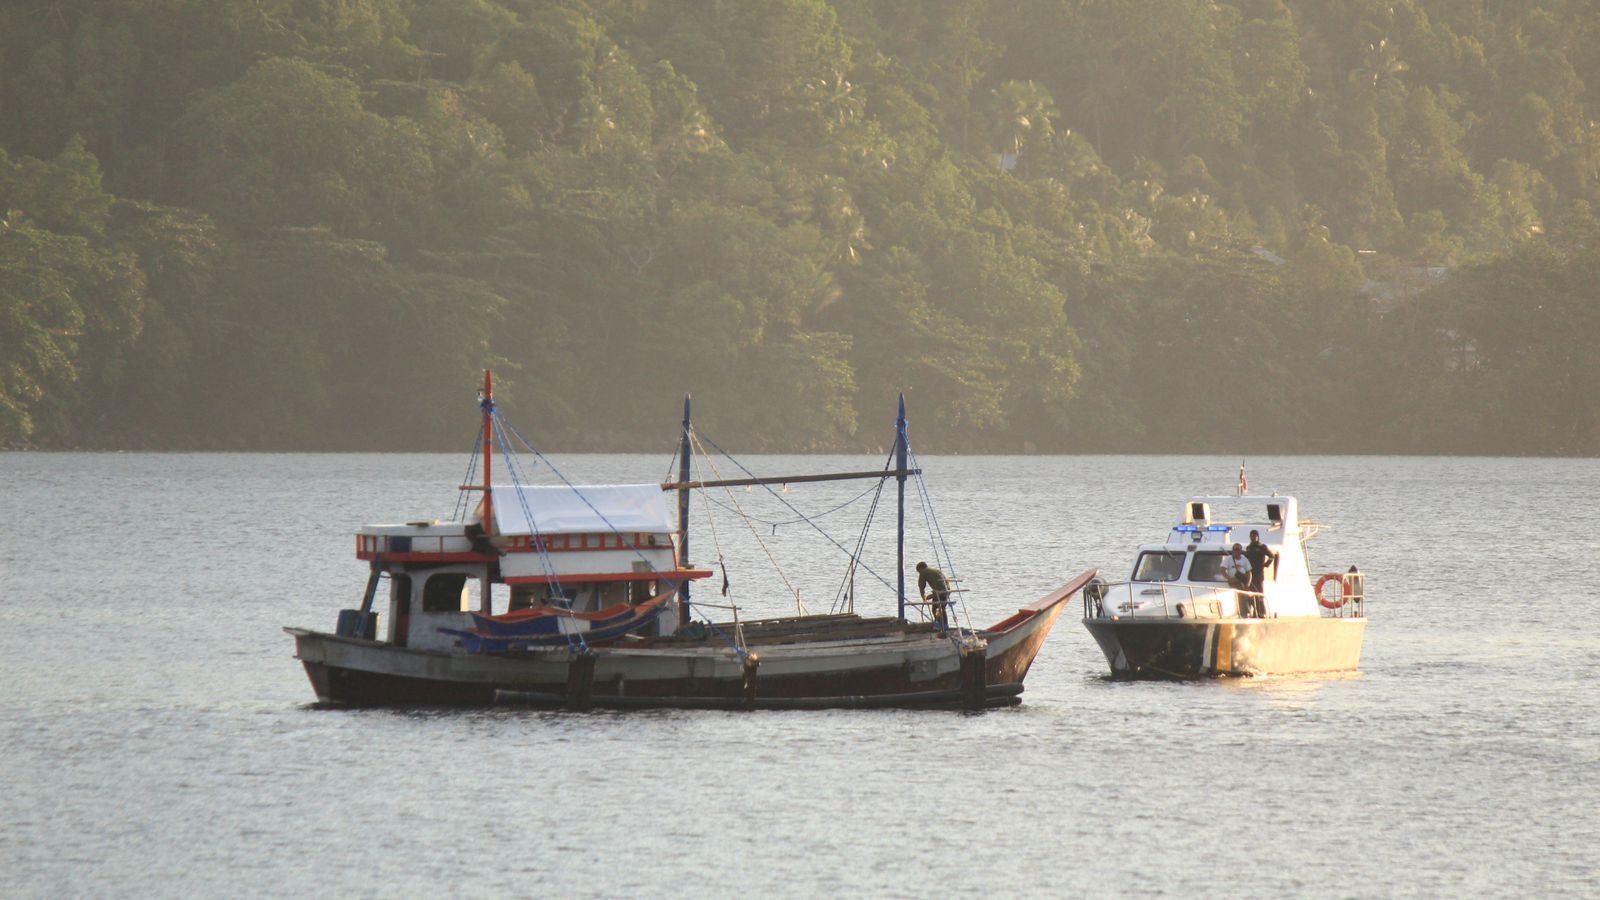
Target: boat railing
[371, 545]
[1178, 601]
[1342, 595]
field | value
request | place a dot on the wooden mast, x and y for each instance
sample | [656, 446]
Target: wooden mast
[900, 523]
[487, 405]
[684, 457]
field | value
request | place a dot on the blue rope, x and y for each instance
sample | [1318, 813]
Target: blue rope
[574, 488]
[575, 640]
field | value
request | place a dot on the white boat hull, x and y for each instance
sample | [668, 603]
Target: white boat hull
[1209, 648]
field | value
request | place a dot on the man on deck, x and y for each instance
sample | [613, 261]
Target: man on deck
[931, 584]
[1260, 557]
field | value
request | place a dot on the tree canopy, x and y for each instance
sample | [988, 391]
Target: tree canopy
[1057, 226]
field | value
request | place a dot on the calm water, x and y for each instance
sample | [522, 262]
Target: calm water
[157, 736]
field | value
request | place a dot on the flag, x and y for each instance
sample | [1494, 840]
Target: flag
[1244, 483]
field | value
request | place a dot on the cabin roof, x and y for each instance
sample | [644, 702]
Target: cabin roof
[581, 509]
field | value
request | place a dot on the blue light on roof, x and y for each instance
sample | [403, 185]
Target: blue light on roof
[1186, 529]
[1219, 528]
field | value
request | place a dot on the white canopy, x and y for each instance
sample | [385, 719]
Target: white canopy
[563, 510]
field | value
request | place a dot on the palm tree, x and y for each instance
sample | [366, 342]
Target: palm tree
[1022, 110]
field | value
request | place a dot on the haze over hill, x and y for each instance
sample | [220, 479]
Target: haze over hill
[1120, 226]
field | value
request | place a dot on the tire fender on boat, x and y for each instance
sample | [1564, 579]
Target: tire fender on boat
[1344, 592]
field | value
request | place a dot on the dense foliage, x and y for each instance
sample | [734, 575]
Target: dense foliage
[1056, 225]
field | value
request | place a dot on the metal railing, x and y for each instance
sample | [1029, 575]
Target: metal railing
[370, 545]
[1352, 595]
[1178, 601]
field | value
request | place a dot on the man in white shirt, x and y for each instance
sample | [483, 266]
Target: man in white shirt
[1236, 568]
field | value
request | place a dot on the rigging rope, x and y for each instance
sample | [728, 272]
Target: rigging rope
[781, 499]
[935, 533]
[799, 604]
[552, 581]
[803, 518]
[574, 488]
[844, 598]
[462, 506]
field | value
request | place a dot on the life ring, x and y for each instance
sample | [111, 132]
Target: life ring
[1344, 593]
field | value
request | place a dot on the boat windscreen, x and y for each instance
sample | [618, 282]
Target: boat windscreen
[1207, 567]
[1157, 565]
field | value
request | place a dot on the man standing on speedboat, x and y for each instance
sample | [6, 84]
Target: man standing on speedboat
[1259, 557]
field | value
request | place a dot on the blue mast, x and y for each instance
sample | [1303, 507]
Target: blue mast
[684, 452]
[900, 525]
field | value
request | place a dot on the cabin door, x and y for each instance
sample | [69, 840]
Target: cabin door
[399, 609]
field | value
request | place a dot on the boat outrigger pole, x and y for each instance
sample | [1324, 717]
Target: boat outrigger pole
[684, 485]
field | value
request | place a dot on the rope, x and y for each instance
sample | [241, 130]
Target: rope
[843, 593]
[574, 488]
[941, 550]
[799, 604]
[462, 506]
[819, 515]
[803, 518]
[575, 640]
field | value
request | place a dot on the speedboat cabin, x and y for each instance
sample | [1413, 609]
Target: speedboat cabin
[1187, 574]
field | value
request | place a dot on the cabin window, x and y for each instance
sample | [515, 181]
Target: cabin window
[612, 594]
[1158, 566]
[442, 593]
[1207, 567]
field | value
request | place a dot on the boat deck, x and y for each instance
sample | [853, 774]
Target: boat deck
[792, 630]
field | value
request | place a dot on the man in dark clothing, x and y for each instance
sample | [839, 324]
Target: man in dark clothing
[931, 585]
[1259, 556]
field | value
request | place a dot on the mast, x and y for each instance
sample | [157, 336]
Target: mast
[900, 522]
[487, 405]
[684, 452]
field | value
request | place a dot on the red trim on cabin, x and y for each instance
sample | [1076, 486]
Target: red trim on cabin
[563, 543]
[371, 546]
[673, 575]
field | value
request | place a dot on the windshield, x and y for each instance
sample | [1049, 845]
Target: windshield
[1207, 567]
[1158, 566]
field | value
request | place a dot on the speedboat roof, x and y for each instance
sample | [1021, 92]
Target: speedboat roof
[1225, 519]
[581, 509]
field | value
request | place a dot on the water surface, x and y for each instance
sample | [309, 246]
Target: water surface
[159, 740]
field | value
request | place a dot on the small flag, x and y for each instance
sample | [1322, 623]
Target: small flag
[1244, 483]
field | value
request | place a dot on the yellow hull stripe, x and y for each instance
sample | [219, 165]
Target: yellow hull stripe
[1224, 648]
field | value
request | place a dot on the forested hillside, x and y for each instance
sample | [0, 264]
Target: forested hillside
[1056, 225]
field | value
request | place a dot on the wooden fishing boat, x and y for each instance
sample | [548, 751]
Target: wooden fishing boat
[595, 610]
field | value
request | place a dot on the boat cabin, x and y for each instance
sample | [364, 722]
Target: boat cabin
[581, 549]
[1183, 575]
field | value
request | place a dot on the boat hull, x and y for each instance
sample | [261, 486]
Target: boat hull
[1169, 648]
[910, 667]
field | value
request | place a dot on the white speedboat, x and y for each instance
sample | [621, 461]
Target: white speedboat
[1178, 616]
